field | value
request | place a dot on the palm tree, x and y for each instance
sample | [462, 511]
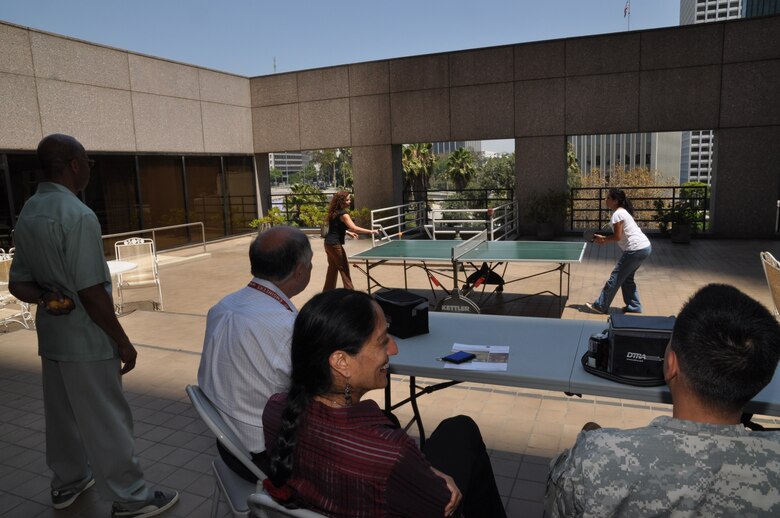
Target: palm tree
[417, 162]
[327, 159]
[344, 166]
[461, 167]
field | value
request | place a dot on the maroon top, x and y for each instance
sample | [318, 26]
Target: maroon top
[353, 461]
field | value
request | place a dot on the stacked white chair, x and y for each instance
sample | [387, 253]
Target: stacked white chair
[142, 253]
[11, 309]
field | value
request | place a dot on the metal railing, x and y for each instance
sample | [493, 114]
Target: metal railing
[398, 220]
[466, 198]
[416, 219]
[212, 210]
[155, 230]
[301, 209]
[241, 209]
[587, 209]
[500, 222]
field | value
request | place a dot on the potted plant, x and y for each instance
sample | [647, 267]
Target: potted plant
[674, 220]
[682, 218]
[547, 211]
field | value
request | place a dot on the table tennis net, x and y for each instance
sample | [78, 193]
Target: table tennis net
[469, 245]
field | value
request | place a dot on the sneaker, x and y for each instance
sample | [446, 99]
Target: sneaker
[594, 308]
[159, 503]
[62, 498]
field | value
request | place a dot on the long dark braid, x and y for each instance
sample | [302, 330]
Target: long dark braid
[620, 197]
[282, 458]
[334, 320]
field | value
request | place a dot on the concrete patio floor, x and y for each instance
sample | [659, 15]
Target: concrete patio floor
[523, 429]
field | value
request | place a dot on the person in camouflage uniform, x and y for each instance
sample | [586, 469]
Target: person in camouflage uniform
[702, 461]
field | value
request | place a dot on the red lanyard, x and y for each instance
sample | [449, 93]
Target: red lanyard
[270, 293]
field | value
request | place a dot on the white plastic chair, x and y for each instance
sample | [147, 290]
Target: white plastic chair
[772, 272]
[11, 309]
[261, 505]
[140, 251]
[227, 482]
[241, 495]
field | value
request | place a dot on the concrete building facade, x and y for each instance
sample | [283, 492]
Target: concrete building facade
[697, 164]
[537, 93]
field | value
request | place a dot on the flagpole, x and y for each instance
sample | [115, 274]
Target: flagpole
[628, 17]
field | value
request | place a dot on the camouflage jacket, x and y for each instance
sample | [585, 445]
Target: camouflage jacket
[669, 468]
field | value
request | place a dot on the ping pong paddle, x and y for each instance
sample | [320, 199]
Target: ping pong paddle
[589, 234]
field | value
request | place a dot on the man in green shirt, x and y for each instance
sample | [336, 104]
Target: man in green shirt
[84, 351]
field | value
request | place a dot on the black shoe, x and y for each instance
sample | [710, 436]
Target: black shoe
[626, 309]
[590, 425]
[62, 498]
[159, 503]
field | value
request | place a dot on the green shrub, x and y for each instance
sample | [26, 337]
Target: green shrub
[690, 208]
[548, 207]
[312, 215]
[273, 218]
[361, 217]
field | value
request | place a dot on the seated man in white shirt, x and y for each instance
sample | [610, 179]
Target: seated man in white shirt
[246, 350]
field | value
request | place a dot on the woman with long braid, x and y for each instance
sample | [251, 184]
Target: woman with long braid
[636, 248]
[340, 455]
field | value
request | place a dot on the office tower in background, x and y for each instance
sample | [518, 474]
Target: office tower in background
[655, 151]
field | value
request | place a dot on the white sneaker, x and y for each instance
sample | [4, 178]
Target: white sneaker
[594, 308]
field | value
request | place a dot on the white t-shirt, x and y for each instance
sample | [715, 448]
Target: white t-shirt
[633, 238]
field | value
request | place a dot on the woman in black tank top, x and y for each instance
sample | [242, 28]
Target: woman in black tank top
[339, 224]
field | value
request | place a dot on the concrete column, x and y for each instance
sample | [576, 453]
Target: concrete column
[746, 186]
[263, 179]
[378, 176]
[540, 164]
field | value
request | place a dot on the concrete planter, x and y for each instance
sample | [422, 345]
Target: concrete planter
[681, 233]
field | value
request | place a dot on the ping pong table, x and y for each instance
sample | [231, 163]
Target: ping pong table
[484, 258]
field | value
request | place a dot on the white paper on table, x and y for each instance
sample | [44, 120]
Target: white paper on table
[489, 357]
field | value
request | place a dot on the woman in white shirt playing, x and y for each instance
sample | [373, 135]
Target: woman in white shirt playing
[636, 248]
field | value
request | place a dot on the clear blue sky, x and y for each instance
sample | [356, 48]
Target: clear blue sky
[244, 36]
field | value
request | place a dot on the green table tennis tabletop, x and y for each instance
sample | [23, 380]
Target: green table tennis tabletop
[490, 251]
